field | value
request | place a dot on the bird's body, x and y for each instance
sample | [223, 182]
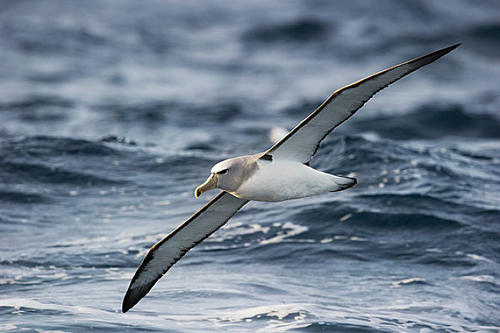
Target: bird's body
[280, 173]
[279, 180]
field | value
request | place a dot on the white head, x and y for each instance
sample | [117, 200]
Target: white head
[228, 175]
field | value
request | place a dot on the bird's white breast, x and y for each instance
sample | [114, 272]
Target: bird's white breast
[284, 180]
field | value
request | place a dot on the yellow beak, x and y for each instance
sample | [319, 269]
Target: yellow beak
[209, 184]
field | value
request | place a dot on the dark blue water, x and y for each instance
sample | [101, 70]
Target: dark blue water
[111, 112]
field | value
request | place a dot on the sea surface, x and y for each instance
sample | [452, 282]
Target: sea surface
[112, 112]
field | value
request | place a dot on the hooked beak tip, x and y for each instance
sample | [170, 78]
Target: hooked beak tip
[209, 184]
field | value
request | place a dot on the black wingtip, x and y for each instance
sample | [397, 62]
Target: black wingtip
[452, 47]
[437, 54]
[132, 297]
[448, 49]
[127, 304]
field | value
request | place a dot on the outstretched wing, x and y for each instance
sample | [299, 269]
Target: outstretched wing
[170, 249]
[301, 143]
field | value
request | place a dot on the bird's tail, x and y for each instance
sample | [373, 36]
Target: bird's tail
[342, 183]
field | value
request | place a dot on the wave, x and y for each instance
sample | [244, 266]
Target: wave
[168, 112]
[298, 31]
[52, 160]
[49, 146]
[23, 197]
[32, 102]
[30, 172]
[433, 122]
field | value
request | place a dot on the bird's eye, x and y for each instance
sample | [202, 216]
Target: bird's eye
[222, 172]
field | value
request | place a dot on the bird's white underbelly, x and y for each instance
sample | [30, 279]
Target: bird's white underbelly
[278, 181]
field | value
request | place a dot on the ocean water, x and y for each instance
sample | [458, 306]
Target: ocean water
[112, 112]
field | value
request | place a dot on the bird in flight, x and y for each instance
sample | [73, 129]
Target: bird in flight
[280, 173]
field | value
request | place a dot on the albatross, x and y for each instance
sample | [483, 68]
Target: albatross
[280, 173]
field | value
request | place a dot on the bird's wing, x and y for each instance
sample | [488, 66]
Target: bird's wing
[170, 249]
[301, 143]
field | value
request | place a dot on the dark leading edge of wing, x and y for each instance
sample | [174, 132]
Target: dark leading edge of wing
[170, 249]
[301, 143]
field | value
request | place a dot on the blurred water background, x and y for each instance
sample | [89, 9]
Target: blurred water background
[111, 112]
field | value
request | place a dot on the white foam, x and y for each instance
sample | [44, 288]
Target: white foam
[476, 257]
[345, 217]
[407, 282]
[479, 278]
[289, 230]
[278, 312]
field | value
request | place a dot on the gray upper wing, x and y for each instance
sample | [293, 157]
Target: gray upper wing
[170, 249]
[301, 143]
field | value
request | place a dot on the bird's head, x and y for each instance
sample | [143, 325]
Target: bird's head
[228, 175]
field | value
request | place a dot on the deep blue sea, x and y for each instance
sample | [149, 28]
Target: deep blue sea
[112, 112]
